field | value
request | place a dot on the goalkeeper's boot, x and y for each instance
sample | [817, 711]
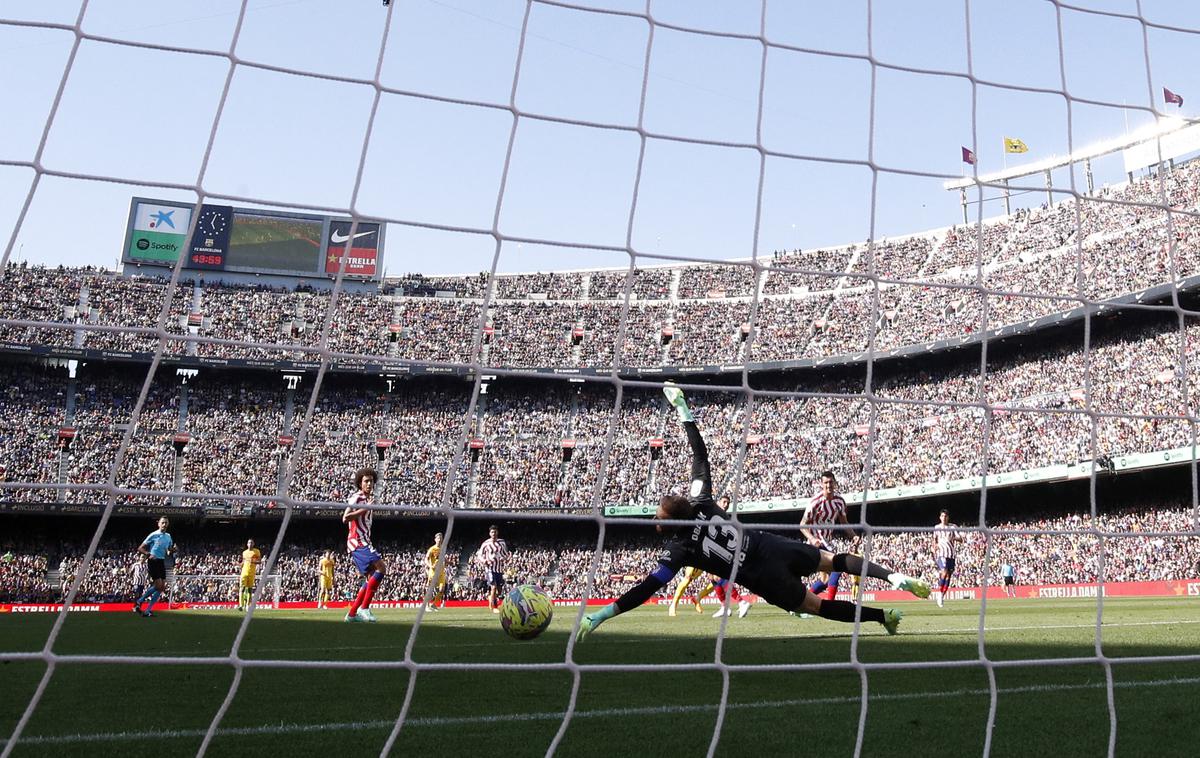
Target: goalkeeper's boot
[891, 620]
[354, 618]
[909, 584]
[743, 608]
[366, 615]
[722, 611]
[675, 397]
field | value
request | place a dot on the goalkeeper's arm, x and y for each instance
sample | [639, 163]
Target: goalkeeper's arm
[630, 600]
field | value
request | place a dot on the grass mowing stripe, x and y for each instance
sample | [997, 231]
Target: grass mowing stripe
[906, 633]
[442, 721]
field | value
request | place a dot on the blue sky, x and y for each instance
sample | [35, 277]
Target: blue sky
[143, 116]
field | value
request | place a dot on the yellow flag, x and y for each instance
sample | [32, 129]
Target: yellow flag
[1014, 145]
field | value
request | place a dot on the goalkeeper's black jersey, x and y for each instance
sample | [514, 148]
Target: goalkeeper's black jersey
[713, 546]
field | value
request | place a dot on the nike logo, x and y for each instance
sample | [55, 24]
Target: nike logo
[338, 239]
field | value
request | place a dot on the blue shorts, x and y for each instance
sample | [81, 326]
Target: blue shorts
[946, 564]
[495, 579]
[363, 557]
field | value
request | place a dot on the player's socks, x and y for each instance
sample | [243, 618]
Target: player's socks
[372, 583]
[146, 595]
[840, 610]
[734, 595]
[817, 587]
[675, 600]
[358, 599]
[153, 599]
[845, 563]
[719, 590]
[830, 593]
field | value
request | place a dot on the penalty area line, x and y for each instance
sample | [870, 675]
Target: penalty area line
[443, 721]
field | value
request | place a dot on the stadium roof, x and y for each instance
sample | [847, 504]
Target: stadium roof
[1186, 139]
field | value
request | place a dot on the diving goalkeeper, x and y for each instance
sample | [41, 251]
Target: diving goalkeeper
[771, 566]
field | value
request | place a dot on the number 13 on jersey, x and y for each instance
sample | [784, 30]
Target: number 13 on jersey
[721, 540]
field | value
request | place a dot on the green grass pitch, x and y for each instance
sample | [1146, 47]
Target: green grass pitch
[1043, 709]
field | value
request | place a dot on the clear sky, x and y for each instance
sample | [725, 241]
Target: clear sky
[144, 116]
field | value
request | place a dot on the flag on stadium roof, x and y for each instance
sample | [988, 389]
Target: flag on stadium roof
[1171, 97]
[968, 156]
[1014, 145]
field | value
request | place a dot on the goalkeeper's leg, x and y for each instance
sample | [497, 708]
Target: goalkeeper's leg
[795, 597]
[856, 564]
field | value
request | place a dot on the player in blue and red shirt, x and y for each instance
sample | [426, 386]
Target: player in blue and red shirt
[358, 544]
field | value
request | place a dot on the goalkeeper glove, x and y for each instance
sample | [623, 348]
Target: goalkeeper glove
[593, 620]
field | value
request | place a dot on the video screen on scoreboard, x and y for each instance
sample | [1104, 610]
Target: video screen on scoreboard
[268, 242]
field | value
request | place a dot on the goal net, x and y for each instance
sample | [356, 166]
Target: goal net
[863, 239]
[220, 591]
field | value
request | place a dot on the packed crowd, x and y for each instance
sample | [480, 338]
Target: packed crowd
[1131, 391]
[824, 302]
[1067, 552]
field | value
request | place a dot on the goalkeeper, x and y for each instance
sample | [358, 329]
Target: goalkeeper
[772, 566]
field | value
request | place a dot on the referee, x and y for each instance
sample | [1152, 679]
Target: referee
[157, 546]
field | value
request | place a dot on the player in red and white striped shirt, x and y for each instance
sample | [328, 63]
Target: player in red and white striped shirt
[358, 544]
[945, 553]
[826, 507]
[492, 557]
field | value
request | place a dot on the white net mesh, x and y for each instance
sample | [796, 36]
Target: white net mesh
[857, 301]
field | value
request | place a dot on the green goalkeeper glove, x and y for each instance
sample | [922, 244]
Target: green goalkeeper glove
[593, 620]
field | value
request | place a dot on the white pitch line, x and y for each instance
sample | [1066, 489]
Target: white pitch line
[443, 721]
[904, 632]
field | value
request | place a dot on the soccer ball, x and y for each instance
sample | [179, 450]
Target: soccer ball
[525, 612]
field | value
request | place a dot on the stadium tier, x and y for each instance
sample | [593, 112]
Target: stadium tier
[540, 442]
[814, 306]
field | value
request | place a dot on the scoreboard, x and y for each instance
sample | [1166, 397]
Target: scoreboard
[227, 238]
